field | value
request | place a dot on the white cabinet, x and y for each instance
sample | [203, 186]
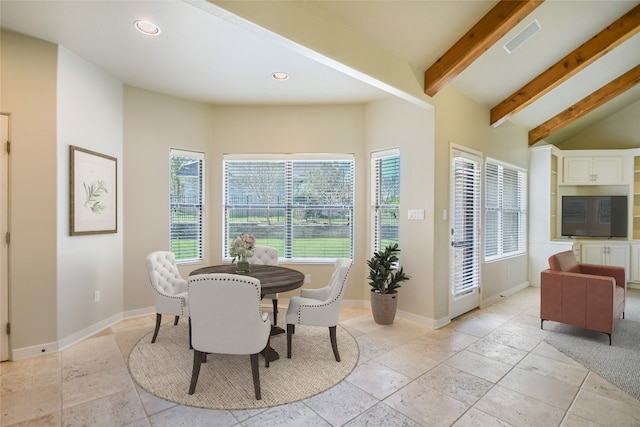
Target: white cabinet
[635, 263]
[592, 170]
[606, 254]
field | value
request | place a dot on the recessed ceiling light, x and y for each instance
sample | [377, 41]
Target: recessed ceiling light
[147, 27]
[280, 76]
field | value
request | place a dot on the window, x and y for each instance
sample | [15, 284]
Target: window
[385, 198]
[300, 204]
[505, 210]
[186, 205]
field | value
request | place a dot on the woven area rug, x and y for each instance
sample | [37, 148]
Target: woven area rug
[617, 363]
[164, 369]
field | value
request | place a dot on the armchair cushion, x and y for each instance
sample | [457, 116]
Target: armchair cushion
[564, 261]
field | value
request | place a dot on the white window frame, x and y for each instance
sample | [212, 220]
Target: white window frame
[288, 159]
[520, 200]
[197, 206]
[376, 197]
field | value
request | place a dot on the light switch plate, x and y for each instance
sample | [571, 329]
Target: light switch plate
[416, 213]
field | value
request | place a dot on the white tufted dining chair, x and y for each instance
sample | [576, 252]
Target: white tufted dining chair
[226, 318]
[320, 307]
[266, 255]
[170, 289]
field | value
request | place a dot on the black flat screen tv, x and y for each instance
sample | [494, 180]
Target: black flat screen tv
[594, 216]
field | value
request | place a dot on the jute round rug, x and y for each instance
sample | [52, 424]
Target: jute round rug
[164, 369]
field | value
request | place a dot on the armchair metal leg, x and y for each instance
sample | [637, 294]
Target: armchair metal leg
[256, 375]
[155, 332]
[275, 311]
[334, 342]
[197, 360]
[290, 331]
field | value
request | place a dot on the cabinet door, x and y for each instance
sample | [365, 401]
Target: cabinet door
[593, 254]
[619, 257]
[608, 170]
[593, 170]
[635, 263]
[577, 170]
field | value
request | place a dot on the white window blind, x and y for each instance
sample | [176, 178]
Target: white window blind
[465, 225]
[385, 198]
[505, 210]
[186, 205]
[301, 205]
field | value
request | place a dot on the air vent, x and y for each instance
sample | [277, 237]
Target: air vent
[522, 36]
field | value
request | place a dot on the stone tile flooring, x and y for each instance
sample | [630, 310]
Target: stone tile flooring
[489, 367]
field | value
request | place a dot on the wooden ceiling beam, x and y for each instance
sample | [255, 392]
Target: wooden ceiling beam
[606, 40]
[486, 32]
[586, 105]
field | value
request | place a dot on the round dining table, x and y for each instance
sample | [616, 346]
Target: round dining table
[273, 279]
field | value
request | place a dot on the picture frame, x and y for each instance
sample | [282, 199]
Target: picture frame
[93, 182]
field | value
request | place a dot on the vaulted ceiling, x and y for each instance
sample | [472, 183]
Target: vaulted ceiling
[580, 66]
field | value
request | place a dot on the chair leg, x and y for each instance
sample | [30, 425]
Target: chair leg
[155, 332]
[334, 342]
[267, 352]
[175, 321]
[275, 311]
[290, 332]
[190, 345]
[256, 375]
[197, 360]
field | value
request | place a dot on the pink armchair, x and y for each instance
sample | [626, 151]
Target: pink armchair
[585, 295]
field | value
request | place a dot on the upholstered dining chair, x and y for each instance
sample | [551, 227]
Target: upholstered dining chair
[266, 255]
[226, 318]
[320, 307]
[170, 289]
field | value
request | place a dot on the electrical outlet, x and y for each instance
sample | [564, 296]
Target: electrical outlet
[96, 296]
[307, 278]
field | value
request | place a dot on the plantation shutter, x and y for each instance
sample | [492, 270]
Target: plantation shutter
[186, 205]
[254, 202]
[506, 210]
[465, 231]
[385, 197]
[300, 204]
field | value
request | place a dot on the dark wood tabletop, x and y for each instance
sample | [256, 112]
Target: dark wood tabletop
[273, 279]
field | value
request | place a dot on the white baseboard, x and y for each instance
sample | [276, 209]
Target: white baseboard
[42, 349]
[33, 351]
[506, 293]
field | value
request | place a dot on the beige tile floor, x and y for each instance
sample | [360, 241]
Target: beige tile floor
[489, 367]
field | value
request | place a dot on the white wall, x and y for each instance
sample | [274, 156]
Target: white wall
[28, 93]
[620, 130]
[89, 112]
[462, 121]
[153, 124]
[295, 129]
[395, 123]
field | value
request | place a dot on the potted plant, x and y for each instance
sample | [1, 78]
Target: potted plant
[384, 279]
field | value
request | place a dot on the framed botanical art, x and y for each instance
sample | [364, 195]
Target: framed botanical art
[93, 192]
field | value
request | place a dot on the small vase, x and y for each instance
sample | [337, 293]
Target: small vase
[242, 265]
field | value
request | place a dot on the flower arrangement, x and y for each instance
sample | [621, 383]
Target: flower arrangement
[241, 247]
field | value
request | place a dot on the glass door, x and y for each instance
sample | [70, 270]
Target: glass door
[464, 256]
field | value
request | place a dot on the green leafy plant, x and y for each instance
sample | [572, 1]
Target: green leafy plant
[93, 193]
[384, 276]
